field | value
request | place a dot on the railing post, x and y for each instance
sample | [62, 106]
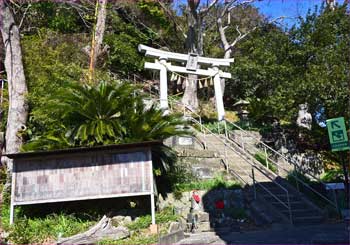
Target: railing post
[335, 200]
[227, 167]
[254, 187]
[226, 133]
[266, 158]
[289, 210]
[296, 178]
[242, 143]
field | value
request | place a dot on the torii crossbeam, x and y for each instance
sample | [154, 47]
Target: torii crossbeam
[193, 61]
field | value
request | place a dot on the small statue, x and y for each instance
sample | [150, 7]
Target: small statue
[304, 117]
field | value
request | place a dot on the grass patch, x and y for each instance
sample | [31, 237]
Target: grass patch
[260, 157]
[144, 222]
[141, 238]
[216, 183]
[45, 229]
[140, 232]
[48, 229]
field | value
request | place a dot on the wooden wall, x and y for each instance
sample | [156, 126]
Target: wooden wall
[79, 176]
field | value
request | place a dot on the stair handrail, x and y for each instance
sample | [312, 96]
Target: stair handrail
[255, 167]
[185, 107]
[281, 167]
[273, 150]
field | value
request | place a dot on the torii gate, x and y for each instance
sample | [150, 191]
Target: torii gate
[193, 61]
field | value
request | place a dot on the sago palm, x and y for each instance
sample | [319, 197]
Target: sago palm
[107, 113]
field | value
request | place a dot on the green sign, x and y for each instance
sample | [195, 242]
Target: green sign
[337, 134]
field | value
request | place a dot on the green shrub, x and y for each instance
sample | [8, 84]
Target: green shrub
[260, 157]
[3, 176]
[236, 213]
[294, 175]
[334, 175]
[219, 127]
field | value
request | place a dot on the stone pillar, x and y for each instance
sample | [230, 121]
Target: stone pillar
[163, 86]
[218, 95]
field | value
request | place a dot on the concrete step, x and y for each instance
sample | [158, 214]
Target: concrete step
[282, 197]
[305, 212]
[306, 220]
[294, 205]
[275, 190]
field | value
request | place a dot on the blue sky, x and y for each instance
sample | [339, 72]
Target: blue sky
[289, 8]
[276, 8]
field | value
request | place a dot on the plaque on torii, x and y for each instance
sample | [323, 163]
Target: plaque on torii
[163, 64]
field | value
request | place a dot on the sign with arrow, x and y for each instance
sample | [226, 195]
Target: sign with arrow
[337, 134]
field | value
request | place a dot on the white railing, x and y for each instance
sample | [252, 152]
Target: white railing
[272, 162]
[247, 155]
[250, 161]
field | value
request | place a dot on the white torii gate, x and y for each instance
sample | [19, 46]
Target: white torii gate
[193, 60]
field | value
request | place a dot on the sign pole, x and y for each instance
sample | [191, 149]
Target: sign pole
[338, 138]
[346, 180]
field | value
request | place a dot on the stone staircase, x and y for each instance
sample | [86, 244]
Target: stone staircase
[250, 141]
[240, 167]
[303, 210]
[275, 197]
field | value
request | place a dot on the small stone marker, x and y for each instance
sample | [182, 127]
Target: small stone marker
[185, 141]
[337, 134]
[153, 228]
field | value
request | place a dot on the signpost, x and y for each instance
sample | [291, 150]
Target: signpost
[337, 134]
[338, 138]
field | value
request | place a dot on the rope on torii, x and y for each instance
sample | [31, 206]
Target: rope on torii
[212, 72]
[208, 80]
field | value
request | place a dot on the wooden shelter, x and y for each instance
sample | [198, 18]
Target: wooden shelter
[83, 174]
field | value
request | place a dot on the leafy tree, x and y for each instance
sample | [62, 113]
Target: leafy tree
[280, 69]
[262, 73]
[59, 17]
[322, 40]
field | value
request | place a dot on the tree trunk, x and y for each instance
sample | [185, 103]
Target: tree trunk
[17, 87]
[193, 46]
[98, 35]
[190, 96]
[103, 230]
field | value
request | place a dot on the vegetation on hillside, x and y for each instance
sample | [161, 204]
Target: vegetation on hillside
[275, 69]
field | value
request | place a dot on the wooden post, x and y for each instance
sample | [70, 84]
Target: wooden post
[12, 208]
[13, 185]
[153, 227]
[152, 192]
[218, 95]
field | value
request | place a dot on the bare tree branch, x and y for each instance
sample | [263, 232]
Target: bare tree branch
[204, 11]
[172, 17]
[240, 4]
[24, 15]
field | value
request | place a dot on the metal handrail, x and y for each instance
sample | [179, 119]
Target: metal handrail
[271, 149]
[253, 166]
[185, 107]
[282, 168]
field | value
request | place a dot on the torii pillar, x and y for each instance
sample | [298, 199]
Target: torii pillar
[213, 70]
